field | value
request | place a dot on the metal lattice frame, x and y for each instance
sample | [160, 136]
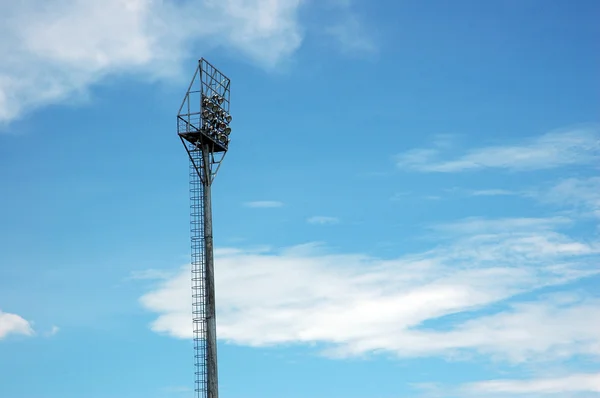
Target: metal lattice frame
[206, 154]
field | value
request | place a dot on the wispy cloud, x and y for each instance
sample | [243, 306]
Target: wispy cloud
[149, 274]
[581, 193]
[14, 324]
[555, 386]
[551, 150]
[352, 36]
[361, 304]
[399, 196]
[492, 192]
[176, 390]
[349, 30]
[323, 220]
[54, 49]
[264, 204]
[481, 225]
[53, 331]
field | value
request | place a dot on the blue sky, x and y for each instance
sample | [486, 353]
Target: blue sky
[409, 207]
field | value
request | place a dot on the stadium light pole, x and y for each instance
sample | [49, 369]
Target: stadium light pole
[203, 127]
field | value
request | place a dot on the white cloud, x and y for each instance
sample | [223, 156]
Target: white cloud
[322, 220]
[357, 304]
[13, 324]
[582, 193]
[551, 150]
[53, 50]
[548, 329]
[264, 204]
[556, 386]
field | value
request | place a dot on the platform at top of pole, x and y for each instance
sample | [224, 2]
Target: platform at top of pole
[198, 138]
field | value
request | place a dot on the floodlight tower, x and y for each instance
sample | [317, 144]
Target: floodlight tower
[203, 127]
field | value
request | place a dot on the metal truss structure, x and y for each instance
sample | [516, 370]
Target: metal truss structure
[203, 127]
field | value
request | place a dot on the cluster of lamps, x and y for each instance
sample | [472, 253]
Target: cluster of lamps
[216, 119]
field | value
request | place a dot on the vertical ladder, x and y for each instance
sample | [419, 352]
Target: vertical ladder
[199, 293]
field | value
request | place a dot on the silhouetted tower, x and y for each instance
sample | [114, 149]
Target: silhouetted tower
[203, 127]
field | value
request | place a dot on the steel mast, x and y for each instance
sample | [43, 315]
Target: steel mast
[203, 127]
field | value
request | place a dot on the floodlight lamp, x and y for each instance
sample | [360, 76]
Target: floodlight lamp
[228, 118]
[222, 126]
[227, 130]
[217, 99]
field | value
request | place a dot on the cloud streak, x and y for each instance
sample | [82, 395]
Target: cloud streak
[576, 383]
[583, 194]
[357, 304]
[322, 220]
[492, 192]
[549, 151]
[264, 204]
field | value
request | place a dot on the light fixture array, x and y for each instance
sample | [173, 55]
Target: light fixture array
[216, 119]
